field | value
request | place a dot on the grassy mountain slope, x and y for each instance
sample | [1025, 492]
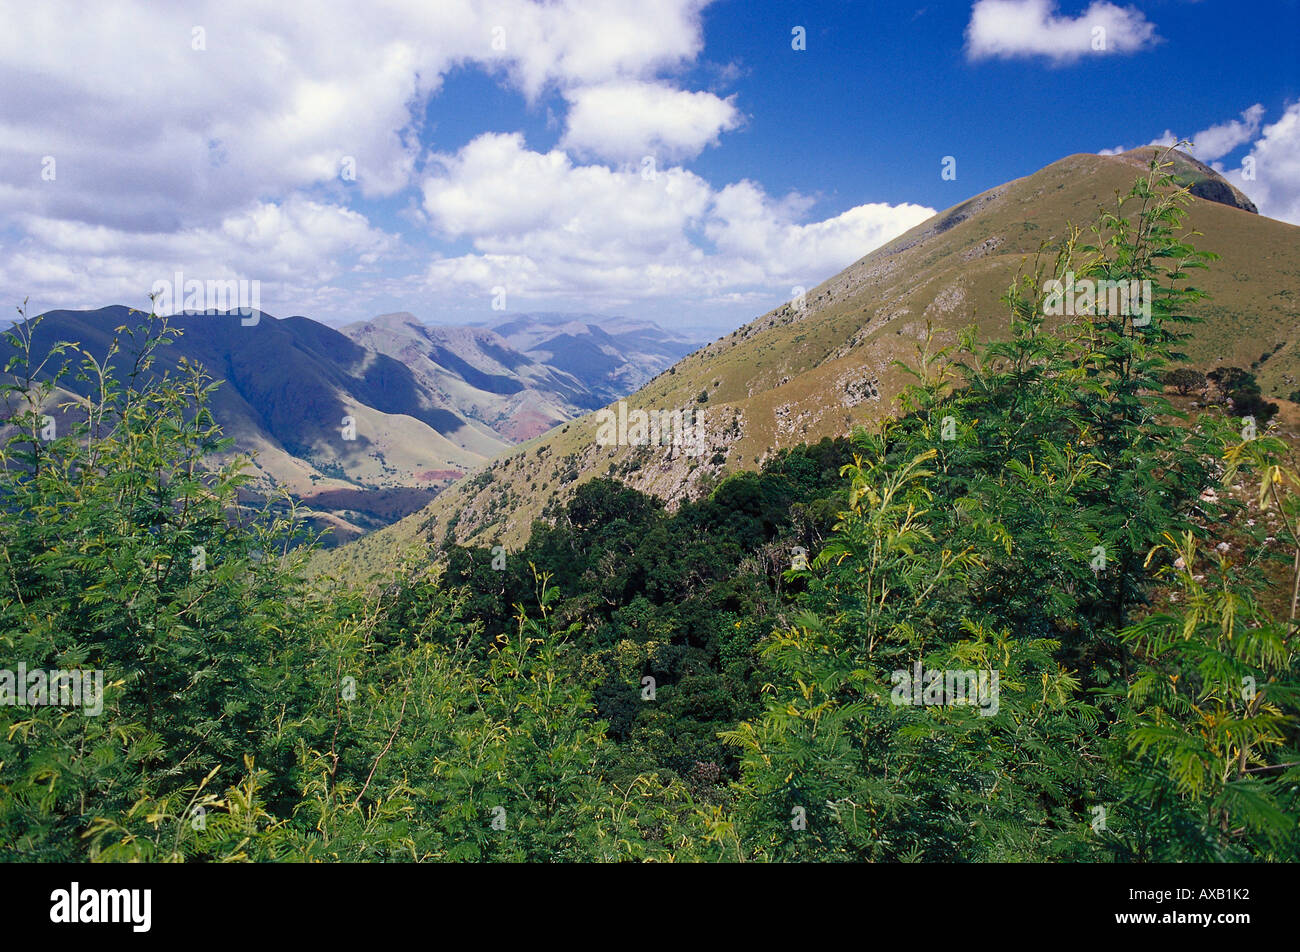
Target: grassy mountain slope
[795, 375]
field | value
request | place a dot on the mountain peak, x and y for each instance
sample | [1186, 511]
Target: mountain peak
[818, 367]
[1202, 181]
[395, 319]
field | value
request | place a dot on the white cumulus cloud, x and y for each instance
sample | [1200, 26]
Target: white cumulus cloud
[1217, 141]
[541, 224]
[293, 249]
[199, 123]
[1273, 167]
[1010, 29]
[627, 121]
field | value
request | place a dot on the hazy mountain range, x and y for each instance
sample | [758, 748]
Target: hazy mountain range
[367, 423]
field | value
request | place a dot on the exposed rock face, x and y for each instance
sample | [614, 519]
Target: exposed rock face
[1201, 180]
[1217, 190]
[1208, 184]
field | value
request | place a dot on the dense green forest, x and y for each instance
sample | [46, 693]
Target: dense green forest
[719, 682]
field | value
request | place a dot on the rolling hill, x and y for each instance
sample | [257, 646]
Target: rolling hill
[797, 374]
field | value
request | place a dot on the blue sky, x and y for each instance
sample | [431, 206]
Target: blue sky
[669, 159]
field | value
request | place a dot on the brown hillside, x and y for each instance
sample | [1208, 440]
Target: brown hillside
[794, 375]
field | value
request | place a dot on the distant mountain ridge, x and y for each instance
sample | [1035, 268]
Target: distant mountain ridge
[526, 373]
[366, 423]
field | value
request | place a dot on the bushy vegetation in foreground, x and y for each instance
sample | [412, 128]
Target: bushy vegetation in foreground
[637, 684]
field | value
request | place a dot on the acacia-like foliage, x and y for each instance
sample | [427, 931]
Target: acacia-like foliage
[1017, 519]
